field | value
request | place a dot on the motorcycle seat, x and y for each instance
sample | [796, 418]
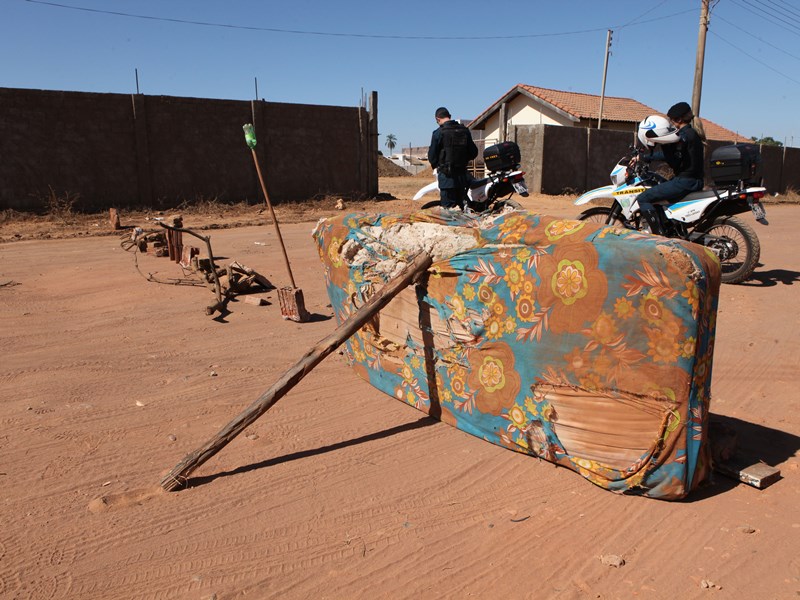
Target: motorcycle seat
[476, 183]
[698, 195]
[691, 197]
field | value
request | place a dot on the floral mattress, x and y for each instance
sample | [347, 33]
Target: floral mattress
[587, 346]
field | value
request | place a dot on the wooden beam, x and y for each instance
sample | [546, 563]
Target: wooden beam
[178, 477]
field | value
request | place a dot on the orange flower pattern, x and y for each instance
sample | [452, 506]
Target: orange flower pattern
[545, 300]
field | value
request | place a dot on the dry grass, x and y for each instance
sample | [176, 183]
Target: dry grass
[395, 196]
[791, 196]
[61, 207]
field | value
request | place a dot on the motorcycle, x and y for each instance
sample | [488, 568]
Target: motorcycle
[493, 192]
[706, 217]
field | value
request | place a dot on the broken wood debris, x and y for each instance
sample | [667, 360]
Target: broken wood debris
[227, 282]
[113, 218]
[175, 239]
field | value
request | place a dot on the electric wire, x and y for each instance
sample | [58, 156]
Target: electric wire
[754, 58]
[776, 11]
[351, 35]
[789, 7]
[634, 20]
[750, 33]
[761, 14]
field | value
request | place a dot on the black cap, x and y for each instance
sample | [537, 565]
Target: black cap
[442, 113]
[681, 109]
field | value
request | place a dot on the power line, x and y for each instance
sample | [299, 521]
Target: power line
[351, 35]
[632, 21]
[777, 12]
[789, 8]
[757, 38]
[754, 58]
[760, 14]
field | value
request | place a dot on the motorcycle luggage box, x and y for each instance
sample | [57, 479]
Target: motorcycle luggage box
[736, 162]
[501, 157]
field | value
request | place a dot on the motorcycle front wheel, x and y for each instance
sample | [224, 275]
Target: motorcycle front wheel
[739, 267]
[602, 215]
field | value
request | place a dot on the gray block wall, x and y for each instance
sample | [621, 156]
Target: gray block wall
[119, 150]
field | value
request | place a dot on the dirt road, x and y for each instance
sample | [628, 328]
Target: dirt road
[108, 381]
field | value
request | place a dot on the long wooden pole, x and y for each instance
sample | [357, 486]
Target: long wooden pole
[698, 69]
[274, 219]
[605, 73]
[178, 477]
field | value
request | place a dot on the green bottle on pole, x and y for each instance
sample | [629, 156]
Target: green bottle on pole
[249, 136]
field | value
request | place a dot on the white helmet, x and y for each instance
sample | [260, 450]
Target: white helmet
[656, 129]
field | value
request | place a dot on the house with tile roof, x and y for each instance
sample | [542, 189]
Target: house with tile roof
[531, 105]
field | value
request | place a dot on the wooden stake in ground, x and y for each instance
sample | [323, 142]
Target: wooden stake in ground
[178, 477]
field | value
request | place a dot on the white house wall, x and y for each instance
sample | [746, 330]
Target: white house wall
[523, 111]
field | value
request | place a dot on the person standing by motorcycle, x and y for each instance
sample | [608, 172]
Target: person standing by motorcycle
[450, 151]
[682, 150]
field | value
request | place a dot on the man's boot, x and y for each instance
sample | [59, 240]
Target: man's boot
[667, 227]
[653, 222]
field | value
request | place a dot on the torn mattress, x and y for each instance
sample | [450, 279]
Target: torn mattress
[587, 346]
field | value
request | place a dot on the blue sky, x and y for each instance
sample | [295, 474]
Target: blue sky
[416, 55]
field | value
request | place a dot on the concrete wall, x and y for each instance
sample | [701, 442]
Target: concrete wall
[559, 160]
[137, 150]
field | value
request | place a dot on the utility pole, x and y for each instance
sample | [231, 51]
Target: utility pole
[698, 69]
[605, 72]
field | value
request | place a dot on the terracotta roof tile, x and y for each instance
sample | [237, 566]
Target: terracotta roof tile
[587, 106]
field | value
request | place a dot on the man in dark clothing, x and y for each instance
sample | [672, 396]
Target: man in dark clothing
[450, 151]
[685, 158]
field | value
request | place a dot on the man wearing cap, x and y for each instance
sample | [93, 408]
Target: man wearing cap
[686, 159]
[450, 151]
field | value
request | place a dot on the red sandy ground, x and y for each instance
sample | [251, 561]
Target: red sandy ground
[107, 381]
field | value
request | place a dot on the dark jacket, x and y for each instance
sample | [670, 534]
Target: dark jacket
[685, 157]
[457, 178]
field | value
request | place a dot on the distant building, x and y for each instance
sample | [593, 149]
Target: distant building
[412, 164]
[530, 105]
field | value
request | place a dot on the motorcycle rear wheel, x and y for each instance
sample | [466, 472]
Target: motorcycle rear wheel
[740, 267]
[431, 204]
[599, 214]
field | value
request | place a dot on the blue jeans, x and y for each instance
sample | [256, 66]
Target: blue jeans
[673, 190]
[453, 189]
[453, 197]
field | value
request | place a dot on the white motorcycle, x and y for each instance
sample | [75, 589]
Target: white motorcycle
[705, 217]
[493, 192]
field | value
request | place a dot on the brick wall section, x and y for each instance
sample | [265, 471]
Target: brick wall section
[605, 148]
[81, 146]
[119, 150]
[560, 160]
[790, 175]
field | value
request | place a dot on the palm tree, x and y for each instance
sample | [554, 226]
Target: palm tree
[391, 142]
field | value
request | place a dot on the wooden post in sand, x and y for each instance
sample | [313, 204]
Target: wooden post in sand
[178, 477]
